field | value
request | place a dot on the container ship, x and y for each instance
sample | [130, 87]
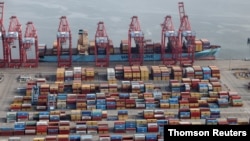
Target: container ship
[85, 50]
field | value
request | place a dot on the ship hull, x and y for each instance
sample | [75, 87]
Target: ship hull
[205, 54]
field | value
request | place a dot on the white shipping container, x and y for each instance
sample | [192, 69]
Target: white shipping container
[104, 139]
[140, 105]
[68, 73]
[77, 70]
[139, 137]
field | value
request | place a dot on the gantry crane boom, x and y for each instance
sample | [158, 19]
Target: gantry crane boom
[14, 43]
[3, 50]
[64, 44]
[188, 35]
[169, 50]
[136, 56]
[102, 46]
[30, 46]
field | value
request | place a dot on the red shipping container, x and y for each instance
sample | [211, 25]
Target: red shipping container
[152, 127]
[7, 133]
[130, 101]
[62, 139]
[130, 130]
[19, 132]
[30, 130]
[111, 106]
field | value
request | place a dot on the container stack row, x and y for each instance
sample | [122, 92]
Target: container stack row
[130, 100]
[160, 73]
[165, 73]
[77, 73]
[151, 121]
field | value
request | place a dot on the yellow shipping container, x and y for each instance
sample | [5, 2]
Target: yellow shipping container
[39, 139]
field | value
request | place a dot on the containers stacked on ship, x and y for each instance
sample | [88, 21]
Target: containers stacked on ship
[124, 46]
[83, 42]
[198, 45]
[205, 43]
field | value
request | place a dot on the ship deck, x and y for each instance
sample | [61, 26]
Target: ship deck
[228, 79]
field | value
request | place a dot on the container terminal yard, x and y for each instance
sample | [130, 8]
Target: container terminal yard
[104, 98]
[229, 82]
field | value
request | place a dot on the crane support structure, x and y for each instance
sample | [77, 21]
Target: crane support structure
[64, 44]
[136, 53]
[14, 43]
[30, 46]
[170, 51]
[3, 49]
[102, 46]
[187, 37]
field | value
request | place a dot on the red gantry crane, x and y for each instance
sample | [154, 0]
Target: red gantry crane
[13, 42]
[30, 46]
[64, 44]
[3, 49]
[136, 53]
[170, 50]
[102, 46]
[187, 37]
